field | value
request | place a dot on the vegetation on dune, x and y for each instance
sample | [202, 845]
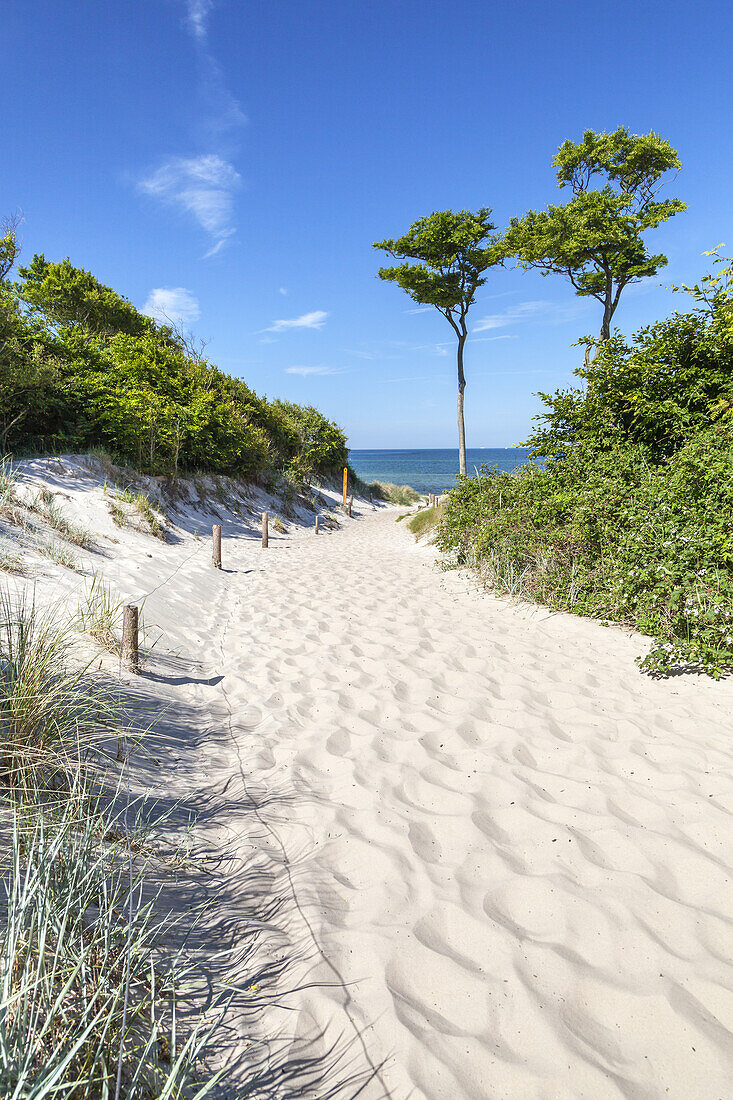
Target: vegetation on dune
[81, 367]
[631, 517]
[392, 494]
[425, 521]
[90, 986]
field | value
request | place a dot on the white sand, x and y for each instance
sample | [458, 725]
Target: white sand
[497, 857]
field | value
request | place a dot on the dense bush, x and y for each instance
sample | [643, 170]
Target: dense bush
[674, 378]
[631, 517]
[81, 367]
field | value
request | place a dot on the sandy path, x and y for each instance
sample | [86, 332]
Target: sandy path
[508, 854]
[484, 857]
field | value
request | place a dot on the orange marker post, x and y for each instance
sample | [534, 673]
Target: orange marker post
[346, 475]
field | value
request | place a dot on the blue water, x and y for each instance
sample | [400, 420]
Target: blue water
[431, 471]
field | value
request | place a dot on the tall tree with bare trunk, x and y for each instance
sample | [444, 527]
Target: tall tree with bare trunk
[451, 251]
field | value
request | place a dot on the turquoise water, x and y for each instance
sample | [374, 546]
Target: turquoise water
[431, 471]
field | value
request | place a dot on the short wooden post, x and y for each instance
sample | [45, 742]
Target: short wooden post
[371, 500]
[351, 502]
[129, 638]
[264, 530]
[346, 475]
[316, 524]
[216, 545]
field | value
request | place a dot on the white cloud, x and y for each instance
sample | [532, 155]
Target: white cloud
[420, 309]
[489, 339]
[202, 186]
[315, 319]
[198, 11]
[305, 371]
[283, 290]
[510, 316]
[175, 304]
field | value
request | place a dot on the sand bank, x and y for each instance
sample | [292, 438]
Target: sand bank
[460, 849]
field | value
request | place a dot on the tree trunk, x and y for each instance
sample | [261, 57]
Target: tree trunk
[606, 326]
[461, 425]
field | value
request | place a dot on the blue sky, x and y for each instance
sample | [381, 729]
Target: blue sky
[232, 161]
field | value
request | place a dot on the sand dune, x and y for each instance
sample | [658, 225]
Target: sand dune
[498, 858]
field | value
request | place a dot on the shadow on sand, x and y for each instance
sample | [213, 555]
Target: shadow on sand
[233, 902]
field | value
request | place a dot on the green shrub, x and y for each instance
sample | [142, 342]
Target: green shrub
[81, 368]
[604, 532]
[671, 380]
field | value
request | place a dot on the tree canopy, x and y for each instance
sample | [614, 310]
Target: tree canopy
[80, 366]
[596, 239]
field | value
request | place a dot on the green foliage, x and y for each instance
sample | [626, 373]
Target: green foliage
[605, 533]
[80, 367]
[630, 518]
[596, 239]
[9, 246]
[671, 380]
[308, 439]
[69, 296]
[452, 251]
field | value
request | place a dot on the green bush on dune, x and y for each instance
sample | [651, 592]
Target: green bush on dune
[80, 367]
[631, 517]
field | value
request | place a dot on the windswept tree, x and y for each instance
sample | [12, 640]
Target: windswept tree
[450, 253]
[597, 238]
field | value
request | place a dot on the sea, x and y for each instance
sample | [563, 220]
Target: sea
[432, 471]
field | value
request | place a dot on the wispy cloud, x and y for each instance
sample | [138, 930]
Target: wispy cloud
[175, 304]
[316, 319]
[489, 339]
[554, 313]
[511, 316]
[198, 11]
[420, 309]
[202, 186]
[283, 290]
[223, 112]
[306, 371]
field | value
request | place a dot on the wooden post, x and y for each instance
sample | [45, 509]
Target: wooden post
[216, 545]
[371, 500]
[346, 477]
[129, 638]
[316, 524]
[264, 530]
[351, 501]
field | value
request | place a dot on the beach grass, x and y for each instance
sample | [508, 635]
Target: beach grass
[89, 986]
[425, 521]
[393, 494]
[100, 615]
